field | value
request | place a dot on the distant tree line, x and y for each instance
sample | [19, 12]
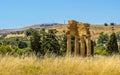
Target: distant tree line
[111, 24]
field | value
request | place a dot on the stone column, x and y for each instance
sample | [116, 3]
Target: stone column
[88, 43]
[82, 50]
[68, 45]
[76, 45]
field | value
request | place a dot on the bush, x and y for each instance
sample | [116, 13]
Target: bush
[101, 52]
[100, 49]
[29, 31]
[5, 49]
[18, 51]
[22, 44]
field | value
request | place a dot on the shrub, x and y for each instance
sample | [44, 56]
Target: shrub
[22, 44]
[29, 31]
[100, 47]
[112, 46]
[5, 49]
[17, 51]
[101, 52]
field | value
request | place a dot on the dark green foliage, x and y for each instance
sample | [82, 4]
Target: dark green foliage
[5, 49]
[9, 41]
[105, 24]
[12, 41]
[103, 38]
[1, 43]
[22, 44]
[15, 51]
[112, 46]
[118, 36]
[63, 43]
[35, 42]
[42, 42]
[29, 31]
[112, 24]
[50, 42]
[18, 52]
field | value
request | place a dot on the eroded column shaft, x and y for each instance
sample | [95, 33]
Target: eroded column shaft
[88, 43]
[82, 50]
[76, 45]
[68, 45]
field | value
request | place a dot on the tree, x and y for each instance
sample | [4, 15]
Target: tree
[45, 42]
[63, 43]
[35, 42]
[51, 43]
[118, 36]
[105, 24]
[29, 31]
[112, 24]
[103, 38]
[112, 46]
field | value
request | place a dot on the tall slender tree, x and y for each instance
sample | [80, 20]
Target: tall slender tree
[112, 46]
[51, 43]
[35, 42]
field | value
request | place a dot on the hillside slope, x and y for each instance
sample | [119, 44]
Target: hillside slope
[94, 29]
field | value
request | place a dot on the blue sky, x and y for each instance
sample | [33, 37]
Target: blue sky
[20, 13]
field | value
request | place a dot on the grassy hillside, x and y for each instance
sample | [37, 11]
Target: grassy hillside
[97, 65]
[95, 29]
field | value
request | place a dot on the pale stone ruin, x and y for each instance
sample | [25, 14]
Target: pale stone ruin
[82, 36]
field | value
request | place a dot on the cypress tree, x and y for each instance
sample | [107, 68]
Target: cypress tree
[35, 42]
[112, 46]
[51, 43]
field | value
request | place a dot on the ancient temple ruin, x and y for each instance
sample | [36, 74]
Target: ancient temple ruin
[82, 38]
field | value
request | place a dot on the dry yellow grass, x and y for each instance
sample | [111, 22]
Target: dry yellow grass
[97, 65]
[15, 35]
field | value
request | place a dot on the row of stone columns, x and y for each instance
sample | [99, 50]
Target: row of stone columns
[85, 45]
